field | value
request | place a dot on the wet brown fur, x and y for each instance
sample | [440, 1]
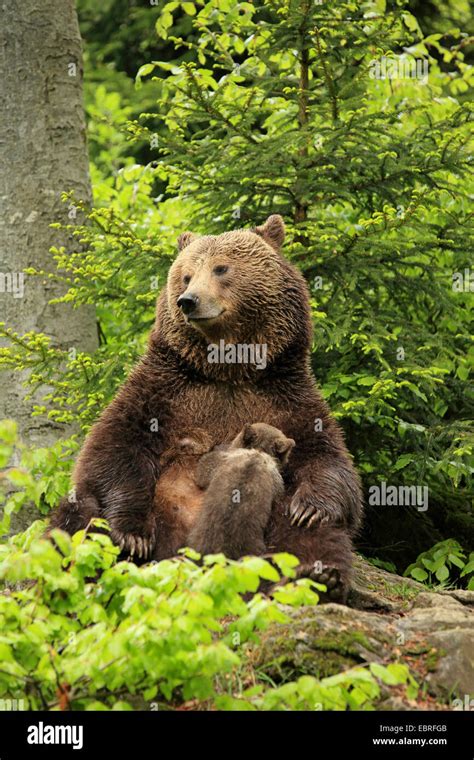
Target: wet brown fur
[264, 300]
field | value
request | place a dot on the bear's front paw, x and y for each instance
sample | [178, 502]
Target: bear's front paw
[305, 509]
[133, 544]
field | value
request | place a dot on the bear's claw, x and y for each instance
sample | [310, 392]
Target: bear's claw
[302, 511]
[132, 544]
[318, 517]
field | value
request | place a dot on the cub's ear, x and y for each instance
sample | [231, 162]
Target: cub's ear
[248, 435]
[185, 239]
[273, 231]
[283, 448]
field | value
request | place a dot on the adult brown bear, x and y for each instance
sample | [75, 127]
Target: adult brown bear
[226, 291]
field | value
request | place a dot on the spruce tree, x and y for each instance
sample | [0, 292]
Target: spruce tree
[342, 118]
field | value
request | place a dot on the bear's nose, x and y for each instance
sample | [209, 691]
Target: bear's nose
[188, 302]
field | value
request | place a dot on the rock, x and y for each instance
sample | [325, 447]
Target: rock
[374, 588]
[322, 641]
[430, 599]
[388, 619]
[436, 618]
[362, 599]
[461, 595]
[454, 673]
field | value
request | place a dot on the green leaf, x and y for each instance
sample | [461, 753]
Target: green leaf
[144, 70]
[442, 573]
[403, 461]
[367, 380]
[419, 575]
[456, 561]
[189, 8]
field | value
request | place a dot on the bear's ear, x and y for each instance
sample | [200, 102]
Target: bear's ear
[273, 231]
[185, 239]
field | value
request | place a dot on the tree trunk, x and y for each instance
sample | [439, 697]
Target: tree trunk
[43, 153]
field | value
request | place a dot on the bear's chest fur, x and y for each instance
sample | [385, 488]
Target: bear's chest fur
[222, 410]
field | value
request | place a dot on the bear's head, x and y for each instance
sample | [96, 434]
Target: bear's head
[237, 288]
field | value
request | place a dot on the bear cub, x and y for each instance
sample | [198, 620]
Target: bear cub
[242, 482]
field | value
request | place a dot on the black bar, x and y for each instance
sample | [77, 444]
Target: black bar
[446, 734]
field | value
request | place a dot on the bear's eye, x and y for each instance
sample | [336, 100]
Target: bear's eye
[186, 279]
[221, 269]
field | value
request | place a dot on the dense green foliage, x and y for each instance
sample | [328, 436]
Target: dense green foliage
[445, 563]
[240, 110]
[169, 632]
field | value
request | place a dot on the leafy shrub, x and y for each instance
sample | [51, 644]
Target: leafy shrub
[156, 630]
[31, 476]
[354, 689]
[166, 633]
[444, 564]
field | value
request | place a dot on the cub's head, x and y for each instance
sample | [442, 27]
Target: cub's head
[235, 287]
[265, 438]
